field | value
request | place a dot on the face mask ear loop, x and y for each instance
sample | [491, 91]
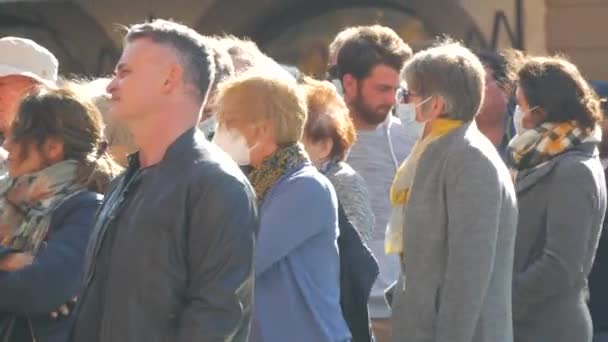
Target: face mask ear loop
[390, 146]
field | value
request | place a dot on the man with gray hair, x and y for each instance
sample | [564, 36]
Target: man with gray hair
[171, 255]
[454, 211]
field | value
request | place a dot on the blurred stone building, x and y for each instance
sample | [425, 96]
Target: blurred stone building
[85, 34]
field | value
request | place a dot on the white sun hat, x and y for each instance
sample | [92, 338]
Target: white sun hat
[24, 57]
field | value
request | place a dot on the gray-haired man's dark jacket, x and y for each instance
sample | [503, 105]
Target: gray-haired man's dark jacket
[172, 250]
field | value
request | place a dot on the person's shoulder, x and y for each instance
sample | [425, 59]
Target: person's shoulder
[344, 174]
[305, 176]
[578, 167]
[306, 182]
[469, 151]
[212, 166]
[305, 194]
[82, 199]
[82, 203]
[202, 169]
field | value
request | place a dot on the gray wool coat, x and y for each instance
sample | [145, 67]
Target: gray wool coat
[561, 205]
[459, 239]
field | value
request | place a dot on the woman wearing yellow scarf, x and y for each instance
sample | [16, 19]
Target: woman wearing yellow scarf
[454, 211]
[404, 179]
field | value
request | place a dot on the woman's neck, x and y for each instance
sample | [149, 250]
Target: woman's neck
[262, 152]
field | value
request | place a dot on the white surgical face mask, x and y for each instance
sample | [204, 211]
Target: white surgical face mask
[422, 120]
[407, 114]
[518, 120]
[233, 143]
[208, 126]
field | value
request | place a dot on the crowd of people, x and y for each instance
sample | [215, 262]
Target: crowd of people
[206, 192]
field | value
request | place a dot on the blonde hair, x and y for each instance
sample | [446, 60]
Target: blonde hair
[328, 117]
[257, 97]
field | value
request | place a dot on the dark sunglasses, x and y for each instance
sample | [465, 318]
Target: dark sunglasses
[403, 95]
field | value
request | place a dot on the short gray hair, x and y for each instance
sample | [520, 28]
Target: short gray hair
[246, 55]
[190, 47]
[451, 71]
[244, 52]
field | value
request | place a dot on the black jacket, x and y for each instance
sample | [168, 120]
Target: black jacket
[358, 272]
[172, 252]
[54, 277]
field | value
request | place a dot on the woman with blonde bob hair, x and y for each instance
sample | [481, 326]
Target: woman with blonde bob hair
[297, 268]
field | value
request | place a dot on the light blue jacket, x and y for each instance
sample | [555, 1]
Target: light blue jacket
[297, 266]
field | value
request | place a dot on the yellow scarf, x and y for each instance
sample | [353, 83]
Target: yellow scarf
[404, 179]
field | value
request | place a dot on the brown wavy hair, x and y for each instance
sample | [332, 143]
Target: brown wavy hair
[328, 117]
[63, 114]
[556, 86]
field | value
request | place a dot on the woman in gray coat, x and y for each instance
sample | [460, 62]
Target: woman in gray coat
[562, 199]
[455, 211]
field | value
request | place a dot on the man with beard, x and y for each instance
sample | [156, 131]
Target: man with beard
[368, 67]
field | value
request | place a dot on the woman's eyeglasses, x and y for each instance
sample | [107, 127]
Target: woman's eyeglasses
[403, 95]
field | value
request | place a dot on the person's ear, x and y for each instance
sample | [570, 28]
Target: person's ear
[350, 84]
[173, 79]
[54, 150]
[438, 106]
[325, 147]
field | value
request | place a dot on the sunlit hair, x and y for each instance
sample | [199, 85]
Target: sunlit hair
[337, 43]
[65, 115]
[556, 86]
[451, 71]
[328, 117]
[258, 97]
[368, 47]
[224, 66]
[192, 50]
[119, 139]
[243, 52]
[503, 67]
[246, 55]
